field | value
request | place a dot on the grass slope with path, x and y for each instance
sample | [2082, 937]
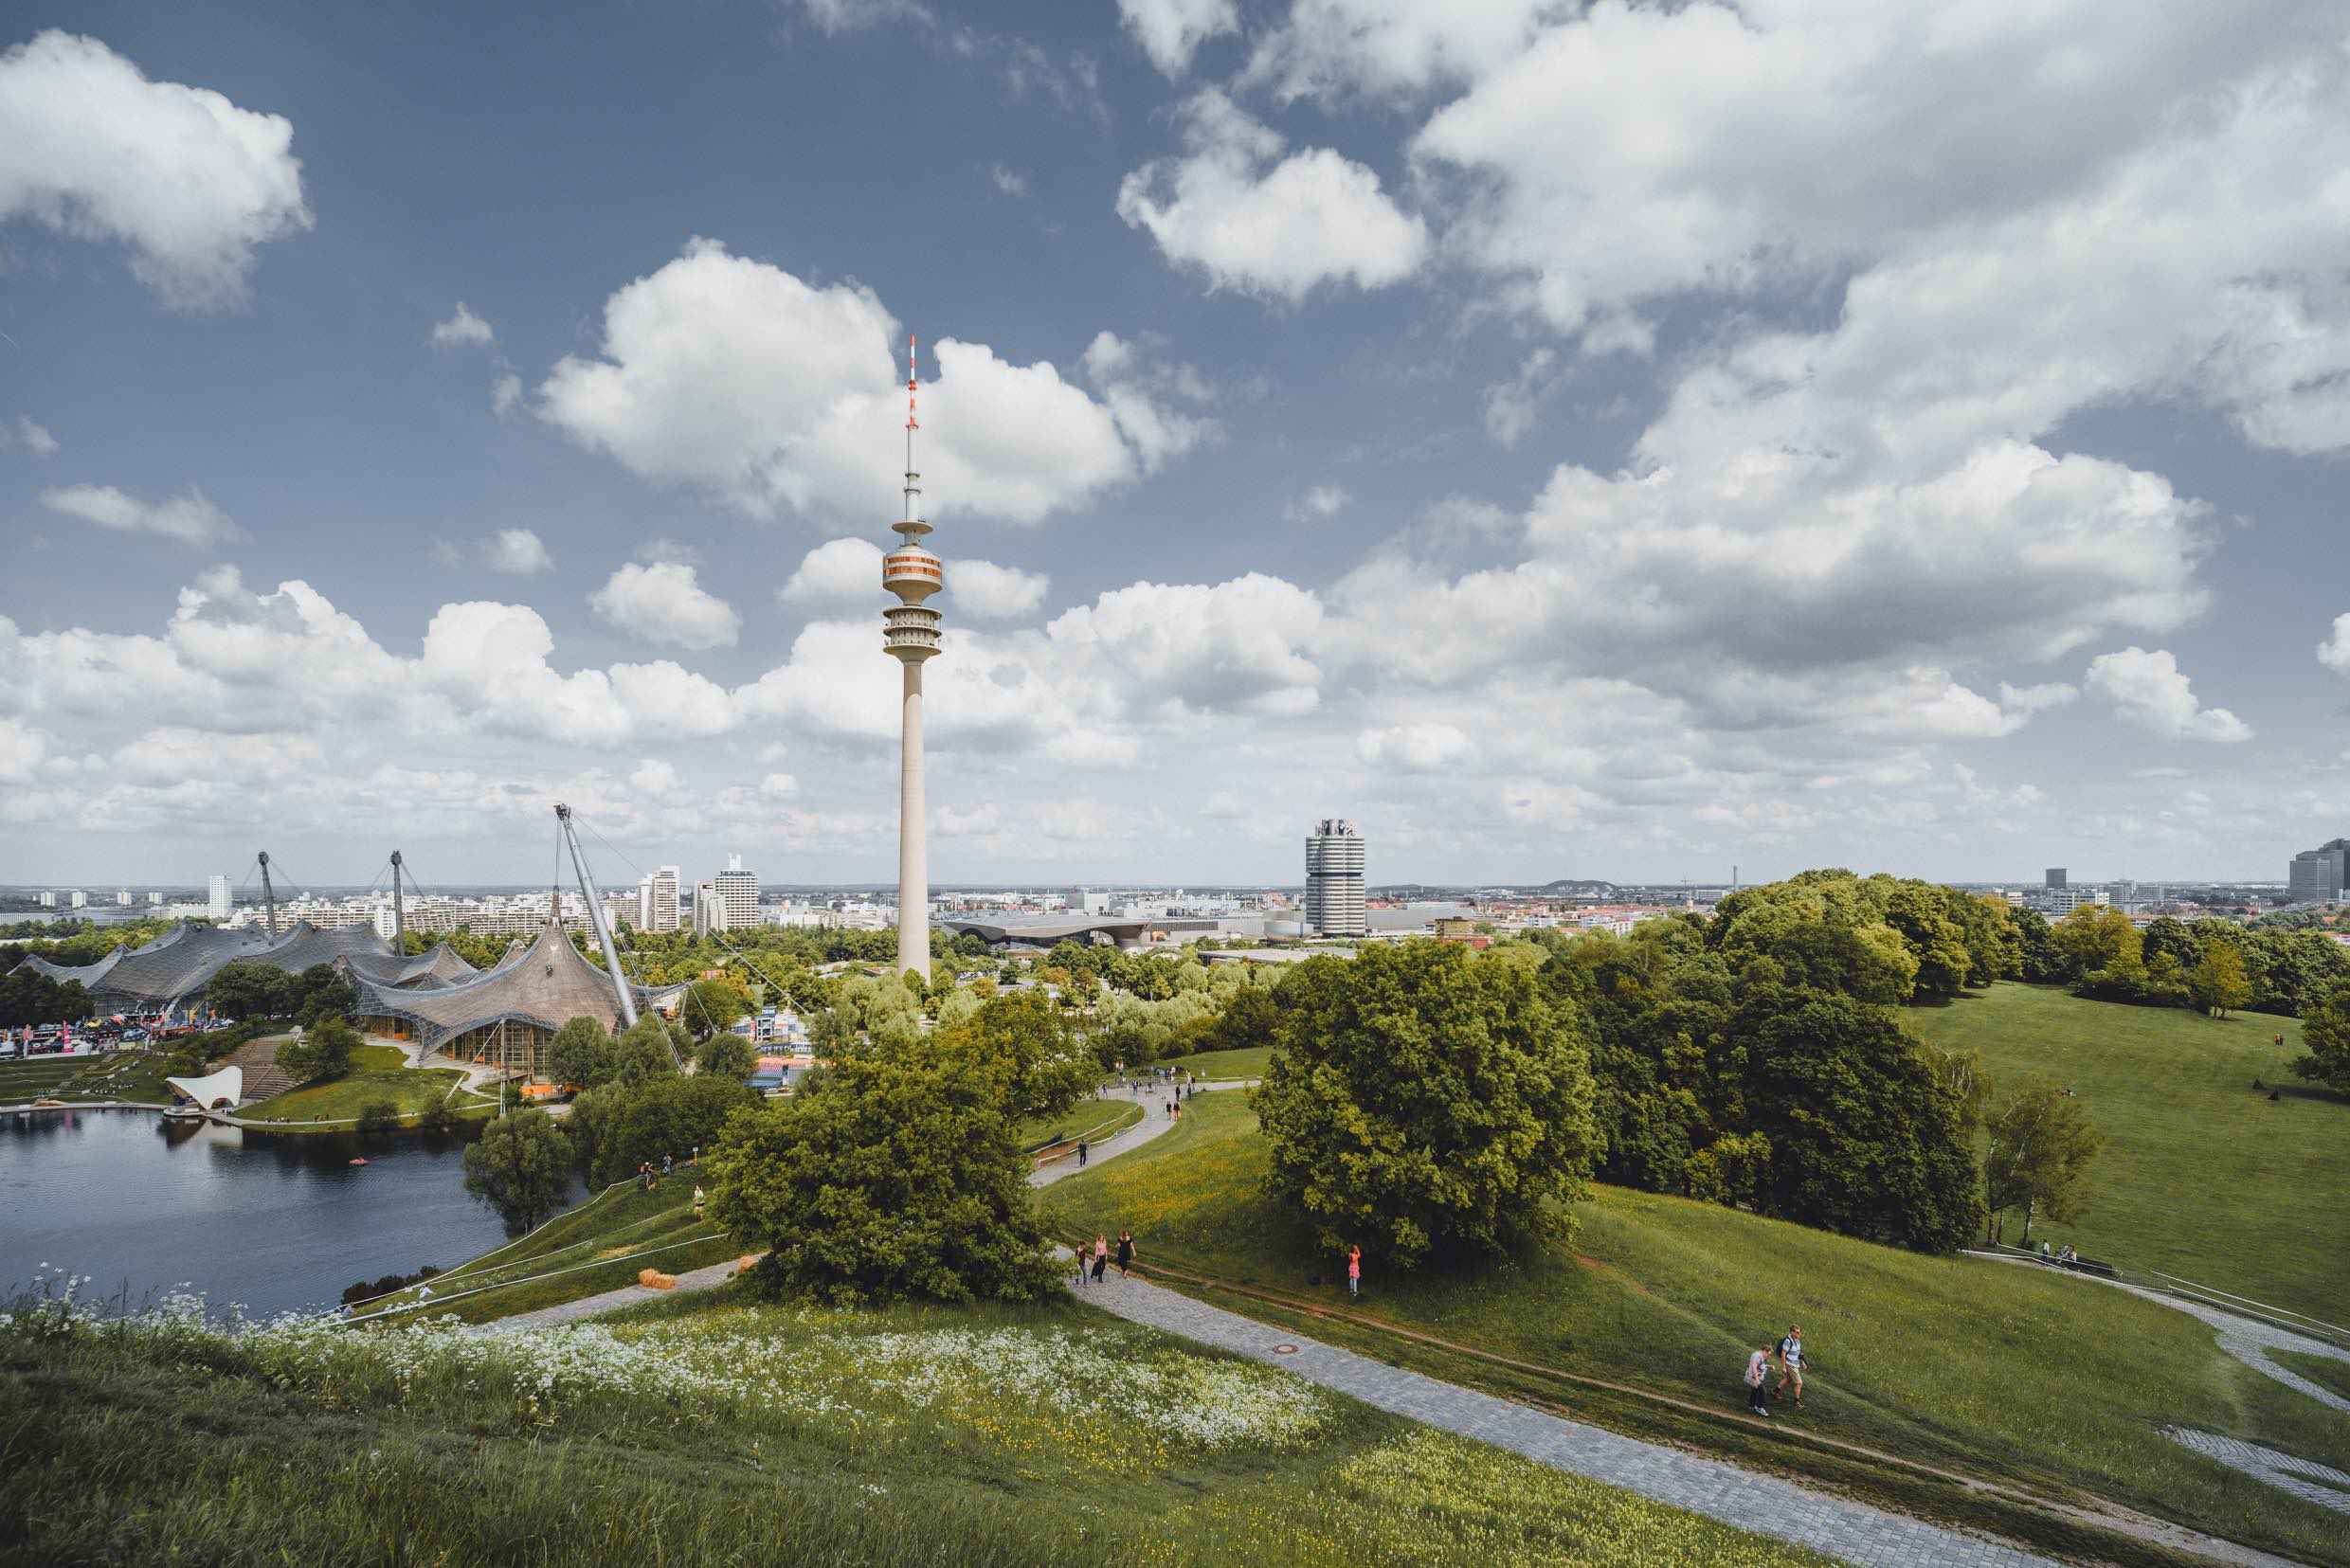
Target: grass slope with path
[1236, 1065]
[2039, 1382]
[128, 1076]
[597, 1246]
[1092, 1120]
[379, 1074]
[711, 1431]
[2202, 1175]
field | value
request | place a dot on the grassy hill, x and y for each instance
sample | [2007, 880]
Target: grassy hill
[710, 1431]
[2202, 1175]
[378, 1075]
[2042, 1381]
[598, 1246]
[79, 1080]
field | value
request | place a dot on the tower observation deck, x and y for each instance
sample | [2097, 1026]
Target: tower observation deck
[910, 634]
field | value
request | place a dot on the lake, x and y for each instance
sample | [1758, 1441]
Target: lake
[273, 1222]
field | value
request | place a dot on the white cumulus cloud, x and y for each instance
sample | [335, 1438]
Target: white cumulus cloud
[992, 592]
[835, 573]
[1264, 223]
[515, 549]
[2150, 690]
[1168, 31]
[193, 184]
[734, 375]
[2334, 652]
[664, 602]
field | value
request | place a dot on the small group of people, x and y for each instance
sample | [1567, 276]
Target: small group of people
[1789, 1354]
[1099, 1258]
[2064, 1254]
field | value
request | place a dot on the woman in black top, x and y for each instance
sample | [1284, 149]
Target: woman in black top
[1125, 1252]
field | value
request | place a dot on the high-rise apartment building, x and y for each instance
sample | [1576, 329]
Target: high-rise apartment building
[2319, 875]
[661, 900]
[81, 899]
[738, 893]
[707, 913]
[216, 898]
[2055, 877]
[1334, 902]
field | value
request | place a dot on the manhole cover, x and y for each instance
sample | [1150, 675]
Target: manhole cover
[1285, 1351]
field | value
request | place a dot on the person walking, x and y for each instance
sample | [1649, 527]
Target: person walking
[1126, 1255]
[1354, 1271]
[698, 1202]
[1758, 1374]
[666, 1165]
[1791, 1364]
[1101, 1257]
[1080, 1154]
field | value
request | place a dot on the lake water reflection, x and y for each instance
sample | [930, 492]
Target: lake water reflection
[276, 1221]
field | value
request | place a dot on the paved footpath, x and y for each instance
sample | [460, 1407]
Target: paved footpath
[1766, 1505]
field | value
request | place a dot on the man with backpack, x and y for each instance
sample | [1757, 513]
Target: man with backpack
[1791, 1364]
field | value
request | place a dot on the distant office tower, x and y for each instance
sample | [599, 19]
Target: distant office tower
[707, 913]
[2055, 876]
[661, 911]
[216, 898]
[1335, 905]
[2319, 875]
[738, 891]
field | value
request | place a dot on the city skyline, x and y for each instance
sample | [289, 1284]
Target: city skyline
[1328, 421]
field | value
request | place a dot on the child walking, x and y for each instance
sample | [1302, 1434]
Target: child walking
[1354, 1271]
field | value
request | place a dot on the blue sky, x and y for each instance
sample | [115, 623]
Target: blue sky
[1570, 440]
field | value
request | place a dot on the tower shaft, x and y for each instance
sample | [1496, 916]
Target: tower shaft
[913, 857]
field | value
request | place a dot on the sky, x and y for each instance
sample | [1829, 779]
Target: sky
[1610, 440]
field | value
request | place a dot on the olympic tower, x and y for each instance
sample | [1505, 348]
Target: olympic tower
[910, 634]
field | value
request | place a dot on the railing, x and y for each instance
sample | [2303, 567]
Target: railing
[2192, 1291]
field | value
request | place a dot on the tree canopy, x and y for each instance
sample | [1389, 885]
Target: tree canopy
[1425, 1099]
[2041, 1145]
[892, 1174]
[2326, 1030]
[521, 1168]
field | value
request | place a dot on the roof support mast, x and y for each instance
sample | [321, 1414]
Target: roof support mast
[399, 916]
[269, 897]
[595, 914]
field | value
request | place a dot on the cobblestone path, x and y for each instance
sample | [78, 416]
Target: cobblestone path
[1852, 1531]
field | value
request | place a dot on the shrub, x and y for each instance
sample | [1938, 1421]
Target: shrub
[379, 1116]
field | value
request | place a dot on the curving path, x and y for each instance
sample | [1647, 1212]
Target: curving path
[2249, 1341]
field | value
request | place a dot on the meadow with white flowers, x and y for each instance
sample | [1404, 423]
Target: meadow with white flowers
[719, 1430]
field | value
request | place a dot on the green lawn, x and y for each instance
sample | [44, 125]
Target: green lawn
[1090, 1119]
[707, 1431]
[1226, 1063]
[2324, 1371]
[2202, 1175]
[2046, 1382]
[376, 1075]
[582, 1252]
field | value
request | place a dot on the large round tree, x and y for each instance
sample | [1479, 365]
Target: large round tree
[892, 1174]
[1425, 1099]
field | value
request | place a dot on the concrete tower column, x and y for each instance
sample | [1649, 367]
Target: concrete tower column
[913, 855]
[910, 634]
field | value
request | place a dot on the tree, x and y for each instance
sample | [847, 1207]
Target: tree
[1424, 1099]
[582, 1053]
[2167, 935]
[728, 1056]
[1963, 1078]
[2326, 1030]
[668, 1116]
[2041, 1145]
[520, 1166]
[246, 988]
[1025, 1043]
[2219, 982]
[644, 1052]
[593, 1113]
[322, 1050]
[893, 1174]
[1248, 1021]
[319, 992]
[1863, 1138]
[712, 1006]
